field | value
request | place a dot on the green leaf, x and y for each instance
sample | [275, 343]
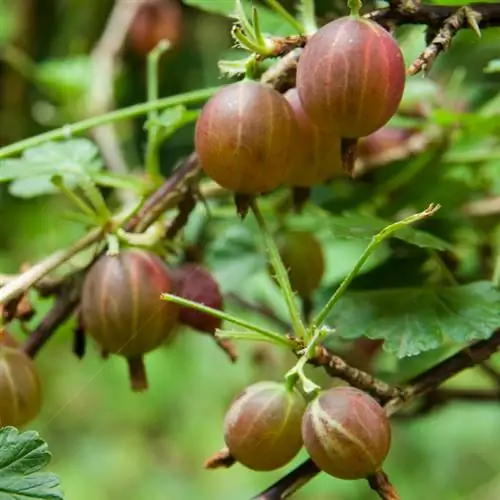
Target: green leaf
[356, 226]
[172, 119]
[66, 78]
[493, 66]
[270, 22]
[415, 320]
[121, 181]
[73, 160]
[22, 456]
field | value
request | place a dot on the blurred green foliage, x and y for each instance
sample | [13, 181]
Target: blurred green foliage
[109, 443]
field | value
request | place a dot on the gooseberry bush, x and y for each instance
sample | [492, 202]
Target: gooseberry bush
[329, 189]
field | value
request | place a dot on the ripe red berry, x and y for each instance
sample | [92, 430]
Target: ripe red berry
[195, 283]
[20, 386]
[346, 433]
[121, 307]
[247, 138]
[319, 152]
[262, 426]
[155, 20]
[351, 77]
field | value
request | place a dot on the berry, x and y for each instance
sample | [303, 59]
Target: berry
[155, 20]
[303, 257]
[20, 386]
[262, 426]
[247, 138]
[121, 307]
[195, 283]
[351, 77]
[346, 433]
[319, 154]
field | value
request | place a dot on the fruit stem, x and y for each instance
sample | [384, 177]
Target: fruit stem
[308, 16]
[152, 160]
[375, 242]
[281, 274]
[149, 238]
[354, 7]
[276, 337]
[76, 199]
[113, 245]
[137, 372]
[279, 9]
[114, 116]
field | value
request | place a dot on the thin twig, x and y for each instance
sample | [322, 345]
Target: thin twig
[104, 59]
[27, 279]
[64, 306]
[260, 309]
[168, 195]
[337, 367]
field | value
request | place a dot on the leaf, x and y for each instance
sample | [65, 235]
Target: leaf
[121, 181]
[73, 160]
[270, 22]
[415, 320]
[172, 119]
[350, 226]
[67, 78]
[493, 66]
[22, 456]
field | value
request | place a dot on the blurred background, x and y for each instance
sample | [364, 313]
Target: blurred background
[109, 443]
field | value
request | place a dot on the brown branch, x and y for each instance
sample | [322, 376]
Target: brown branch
[337, 367]
[64, 306]
[434, 16]
[289, 484]
[167, 195]
[419, 386]
[440, 40]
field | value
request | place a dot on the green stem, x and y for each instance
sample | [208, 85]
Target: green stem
[259, 36]
[281, 274]
[250, 45]
[279, 340]
[376, 241]
[113, 245]
[247, 27]
[308, 16]
[443, 267]
[149, 238]
[152, 160]
[221, 315]
[279, 9]
[96, 199]
[74, 198]
[114, 116]
[354, 7]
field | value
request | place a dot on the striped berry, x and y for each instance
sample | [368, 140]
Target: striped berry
[351, 77]
[121, 307]
[346, 433]
[262, 426]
